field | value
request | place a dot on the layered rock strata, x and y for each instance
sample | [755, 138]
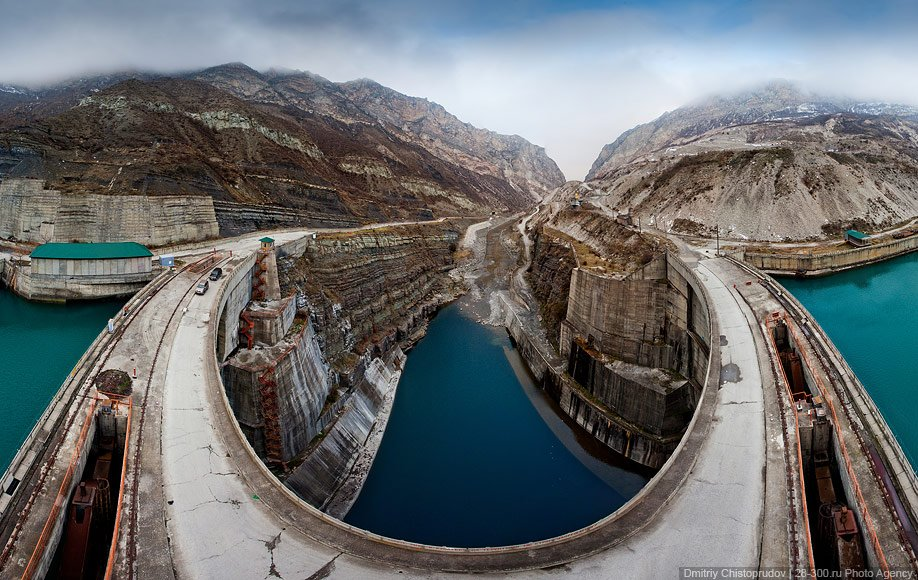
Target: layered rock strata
[31, 213]
[235, 219]
[359, 297]
[373, 288]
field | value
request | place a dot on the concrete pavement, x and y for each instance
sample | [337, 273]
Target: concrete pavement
[207, 508]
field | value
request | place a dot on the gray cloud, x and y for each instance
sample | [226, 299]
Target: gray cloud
[568, 81]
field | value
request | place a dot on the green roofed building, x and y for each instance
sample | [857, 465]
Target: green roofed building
[121, 259]
[856, 238]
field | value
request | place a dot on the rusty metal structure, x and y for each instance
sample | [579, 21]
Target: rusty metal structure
[259, 278]
[269, 411]
[246, 329]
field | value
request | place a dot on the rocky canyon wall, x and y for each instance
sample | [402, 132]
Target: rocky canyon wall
[239, 218]
[372, 289]
[308, 391]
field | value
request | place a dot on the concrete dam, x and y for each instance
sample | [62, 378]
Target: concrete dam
[308, 375]
[667, 358]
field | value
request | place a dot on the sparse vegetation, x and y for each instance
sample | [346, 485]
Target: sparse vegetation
[114, 381]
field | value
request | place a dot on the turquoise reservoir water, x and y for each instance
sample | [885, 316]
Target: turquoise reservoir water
[39, 344]
[871, 314]
[473, 455]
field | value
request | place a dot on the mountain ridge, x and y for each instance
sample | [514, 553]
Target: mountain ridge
[777, 100]
[773, 165]
[281, 137]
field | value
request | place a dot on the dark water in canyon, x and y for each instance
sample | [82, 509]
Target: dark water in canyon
[39, 345]
[871, 314]
[475, 455]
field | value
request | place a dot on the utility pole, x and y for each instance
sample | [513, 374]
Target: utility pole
[717, 230]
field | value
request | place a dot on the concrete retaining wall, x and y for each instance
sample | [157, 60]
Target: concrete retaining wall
[657, 318]
[30, 213]
[233, 301]
[624, 318]
[42, 288]
[821, 264]
[328, 465]
[273, 321]
[661, 412]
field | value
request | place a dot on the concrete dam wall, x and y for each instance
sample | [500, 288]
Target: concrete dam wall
[829, 262]
[633, 349]
[307, 376]
[300, 375]
[31, 213]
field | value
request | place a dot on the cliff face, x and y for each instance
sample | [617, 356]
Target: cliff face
[550, 278]
[351, 152]
[753, 164]
[31, 213]
[372, 289]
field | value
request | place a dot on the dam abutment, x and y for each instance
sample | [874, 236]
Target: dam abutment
[633, 349]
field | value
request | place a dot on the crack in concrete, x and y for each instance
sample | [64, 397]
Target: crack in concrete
[271, 545]
[228, 548]
[718, 483]
[233, 502]
[326, 570]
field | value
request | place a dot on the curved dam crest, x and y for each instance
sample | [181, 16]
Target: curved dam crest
[467, 460]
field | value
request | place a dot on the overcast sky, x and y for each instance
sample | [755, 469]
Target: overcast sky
[570, 76]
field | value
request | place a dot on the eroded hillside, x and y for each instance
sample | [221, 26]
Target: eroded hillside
[770, 166]
[293, 140]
